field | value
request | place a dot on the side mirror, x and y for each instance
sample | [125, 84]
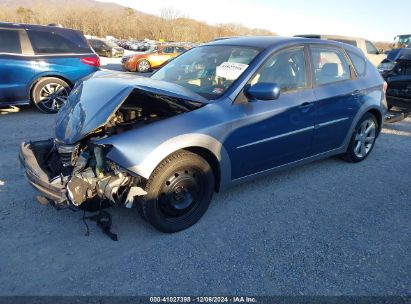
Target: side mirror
[262, 91]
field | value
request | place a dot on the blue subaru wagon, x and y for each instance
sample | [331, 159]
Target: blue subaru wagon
[40, 64]
[220, 114]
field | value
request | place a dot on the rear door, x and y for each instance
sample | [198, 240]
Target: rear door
[337, 94]
[16, 66]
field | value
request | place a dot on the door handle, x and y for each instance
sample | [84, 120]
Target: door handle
[306, 105]
[356, 93]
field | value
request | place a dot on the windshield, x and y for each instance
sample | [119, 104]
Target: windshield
[208, 70]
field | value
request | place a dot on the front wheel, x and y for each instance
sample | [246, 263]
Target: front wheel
[178, 192]
[50, 94]
[143, 66]
[363, 139]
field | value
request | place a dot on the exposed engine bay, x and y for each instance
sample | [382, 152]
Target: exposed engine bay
[82, 171]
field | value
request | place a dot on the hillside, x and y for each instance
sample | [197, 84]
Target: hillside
[101, 19]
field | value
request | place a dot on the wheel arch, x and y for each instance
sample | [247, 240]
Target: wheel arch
[144, 163]
[40, 77]
[212, 161]
[379, 117]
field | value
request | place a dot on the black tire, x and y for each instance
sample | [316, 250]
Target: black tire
[366, 142]
[109, 54]
[143, 66]
[178, 192]
[50, 94]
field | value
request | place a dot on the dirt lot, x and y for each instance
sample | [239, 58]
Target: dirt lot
[327, 228]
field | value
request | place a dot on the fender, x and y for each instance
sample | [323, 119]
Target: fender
[147, 162]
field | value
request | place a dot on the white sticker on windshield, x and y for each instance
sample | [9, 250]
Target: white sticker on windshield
[231, 70]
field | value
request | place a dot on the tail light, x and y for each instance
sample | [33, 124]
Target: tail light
[385, 86]
[93, 61]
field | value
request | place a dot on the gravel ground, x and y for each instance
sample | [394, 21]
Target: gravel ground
[327, 228]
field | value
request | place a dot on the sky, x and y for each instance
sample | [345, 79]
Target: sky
[371, 19]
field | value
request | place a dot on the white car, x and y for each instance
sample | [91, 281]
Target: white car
[371, 52]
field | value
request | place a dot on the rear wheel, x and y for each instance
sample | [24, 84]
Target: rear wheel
[178, 192]
[143, 66]
[363, 139]
[50, 94]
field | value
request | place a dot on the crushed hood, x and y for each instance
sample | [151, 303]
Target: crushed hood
[95, 98]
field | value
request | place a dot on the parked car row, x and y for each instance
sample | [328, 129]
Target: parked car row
[136, 45]
[106, 48]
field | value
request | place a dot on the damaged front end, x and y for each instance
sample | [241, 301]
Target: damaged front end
[73, 175]
[72, 169]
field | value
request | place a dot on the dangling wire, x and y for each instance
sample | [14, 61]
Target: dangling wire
[85, 223]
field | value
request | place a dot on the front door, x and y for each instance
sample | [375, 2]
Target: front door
[272, 133]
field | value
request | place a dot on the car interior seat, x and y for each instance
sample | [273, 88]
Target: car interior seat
[280, 73]
[328, 73]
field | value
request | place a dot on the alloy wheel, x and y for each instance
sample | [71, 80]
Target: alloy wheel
[53, 96]
[143, 66]
[364, 138]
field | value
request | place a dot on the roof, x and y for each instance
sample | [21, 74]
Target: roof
[322, 36]
[252, 41]
[264, 42]
[33, 26]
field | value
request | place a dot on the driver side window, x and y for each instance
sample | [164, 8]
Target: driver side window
[286, 69]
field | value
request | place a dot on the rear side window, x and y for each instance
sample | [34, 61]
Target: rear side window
[52, 43]
[371, 49]
[358, 62]
[10, 42]
[330, 65]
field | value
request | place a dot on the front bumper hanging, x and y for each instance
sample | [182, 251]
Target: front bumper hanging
[55, 190]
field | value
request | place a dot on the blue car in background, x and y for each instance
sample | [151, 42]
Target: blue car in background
[222, 113]
[40, 64]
